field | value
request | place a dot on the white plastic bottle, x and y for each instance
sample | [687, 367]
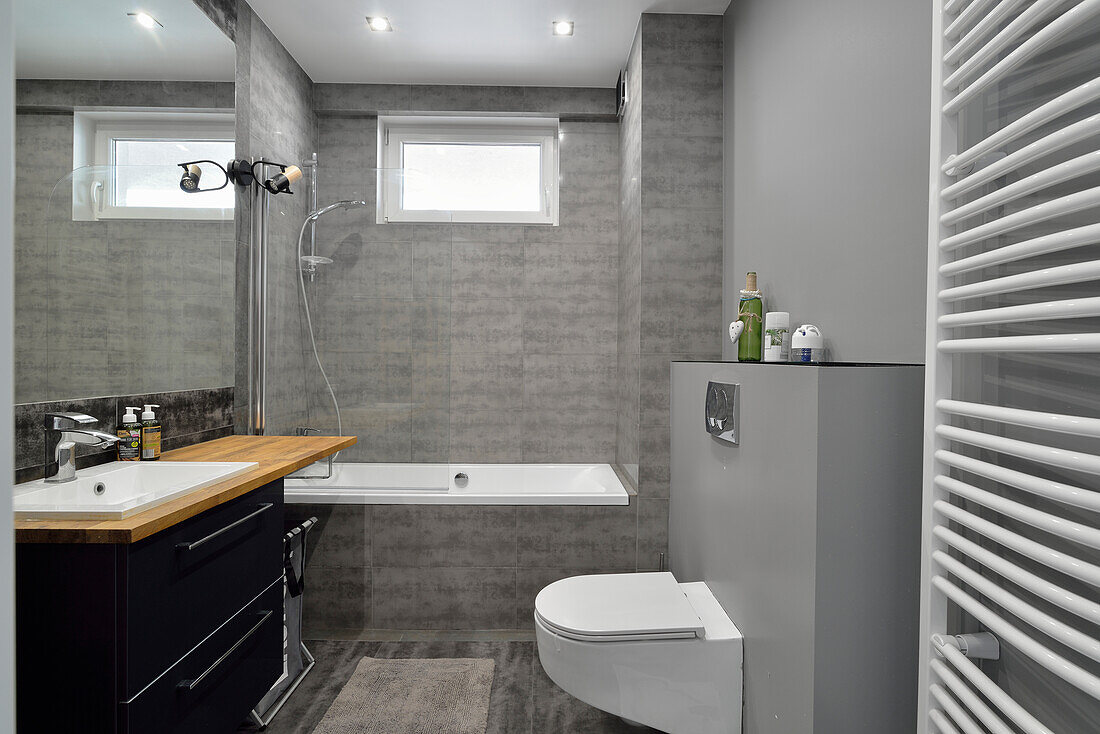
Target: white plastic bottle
[129, 436]
[150, 434]
[777, 336]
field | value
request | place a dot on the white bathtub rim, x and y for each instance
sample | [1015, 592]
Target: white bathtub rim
[608, 487]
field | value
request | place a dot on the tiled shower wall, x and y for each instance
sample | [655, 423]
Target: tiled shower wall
[670, 284]
[469, 343]
[275, 121]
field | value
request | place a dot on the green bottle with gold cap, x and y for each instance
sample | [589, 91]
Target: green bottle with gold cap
[750, 312]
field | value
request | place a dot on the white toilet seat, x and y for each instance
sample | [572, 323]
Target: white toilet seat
[619, 607]
[645, 648]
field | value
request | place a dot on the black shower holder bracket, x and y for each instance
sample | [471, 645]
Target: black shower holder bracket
[241, 173]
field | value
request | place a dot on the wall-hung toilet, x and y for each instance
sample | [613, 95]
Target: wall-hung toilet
[644, 647]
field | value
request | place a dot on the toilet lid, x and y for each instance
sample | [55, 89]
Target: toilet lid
[619, 606]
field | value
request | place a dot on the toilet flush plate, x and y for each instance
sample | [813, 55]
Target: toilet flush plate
[723, 411]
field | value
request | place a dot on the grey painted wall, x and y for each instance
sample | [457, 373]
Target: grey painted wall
[7, 383]
[670, 242]
[808, 533]
[101, 308]
[826, 168]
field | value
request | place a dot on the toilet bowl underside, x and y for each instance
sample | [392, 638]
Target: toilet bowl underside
[678, 685]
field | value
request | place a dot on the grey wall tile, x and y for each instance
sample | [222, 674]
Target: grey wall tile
[578, 537]
[487, 270]
[444, 598]
[567, 270]
[360, 98]
[683, 172]
[571, 101]
[431, 269]
[653, 469]
[464, 98]
[444, 535]
[652, 532]
[487, 436]
[570, 436]
[341, 538]
[569, 382]
[570, 326]
[487, 325]
[680, 39]
[683, 99]
[487, 381]
[337, 598]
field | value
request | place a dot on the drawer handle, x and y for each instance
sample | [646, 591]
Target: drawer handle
[192, 546]
[190, 685]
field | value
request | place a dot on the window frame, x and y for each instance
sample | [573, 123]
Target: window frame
[395, 131]
[95, 132]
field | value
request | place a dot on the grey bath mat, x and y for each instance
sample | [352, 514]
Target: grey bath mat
[406, 696]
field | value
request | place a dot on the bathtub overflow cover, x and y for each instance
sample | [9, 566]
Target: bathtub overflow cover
[461, 480]
[99, 488]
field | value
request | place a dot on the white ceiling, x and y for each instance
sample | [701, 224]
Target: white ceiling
[491, 42]
[94, 39]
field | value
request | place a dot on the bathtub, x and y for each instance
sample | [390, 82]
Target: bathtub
[442, 484]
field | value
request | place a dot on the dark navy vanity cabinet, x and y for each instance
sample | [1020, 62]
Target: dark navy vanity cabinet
[180, 632]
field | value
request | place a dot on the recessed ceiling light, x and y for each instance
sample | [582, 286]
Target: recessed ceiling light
[563, 27]
[146, 20]
[379, 23]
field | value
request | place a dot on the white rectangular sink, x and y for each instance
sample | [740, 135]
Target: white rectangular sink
[117, 490]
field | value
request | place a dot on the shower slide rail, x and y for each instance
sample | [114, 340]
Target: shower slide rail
[1011, 498]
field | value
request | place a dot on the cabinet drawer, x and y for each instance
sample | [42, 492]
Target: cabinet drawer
[183, 583]
[217, 684]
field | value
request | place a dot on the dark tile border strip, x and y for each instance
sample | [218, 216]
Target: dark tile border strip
[188, 417]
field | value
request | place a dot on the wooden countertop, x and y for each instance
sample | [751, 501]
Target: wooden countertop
[276, 456]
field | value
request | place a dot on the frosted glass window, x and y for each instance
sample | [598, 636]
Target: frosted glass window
[146, 174]
[472, 177]
[498, 170]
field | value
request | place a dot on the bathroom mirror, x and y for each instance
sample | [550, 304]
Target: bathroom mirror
[124, 283]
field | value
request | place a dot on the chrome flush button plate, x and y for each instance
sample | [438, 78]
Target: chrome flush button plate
[723, 408]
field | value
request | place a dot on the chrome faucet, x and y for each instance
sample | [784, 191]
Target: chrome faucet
[63, 432]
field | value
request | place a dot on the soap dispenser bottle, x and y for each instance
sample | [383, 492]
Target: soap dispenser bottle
[150, 434]
[129, 436]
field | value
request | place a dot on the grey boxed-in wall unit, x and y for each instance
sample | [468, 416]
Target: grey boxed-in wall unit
[808, 533]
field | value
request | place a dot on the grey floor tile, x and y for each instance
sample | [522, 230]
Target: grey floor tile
[554, 710]
[523, 699]
[336, 660]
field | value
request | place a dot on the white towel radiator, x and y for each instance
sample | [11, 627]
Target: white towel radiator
[1010, 628]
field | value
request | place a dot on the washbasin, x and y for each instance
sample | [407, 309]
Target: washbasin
[117, 490]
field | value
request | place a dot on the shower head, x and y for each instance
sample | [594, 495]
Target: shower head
[345, 204]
